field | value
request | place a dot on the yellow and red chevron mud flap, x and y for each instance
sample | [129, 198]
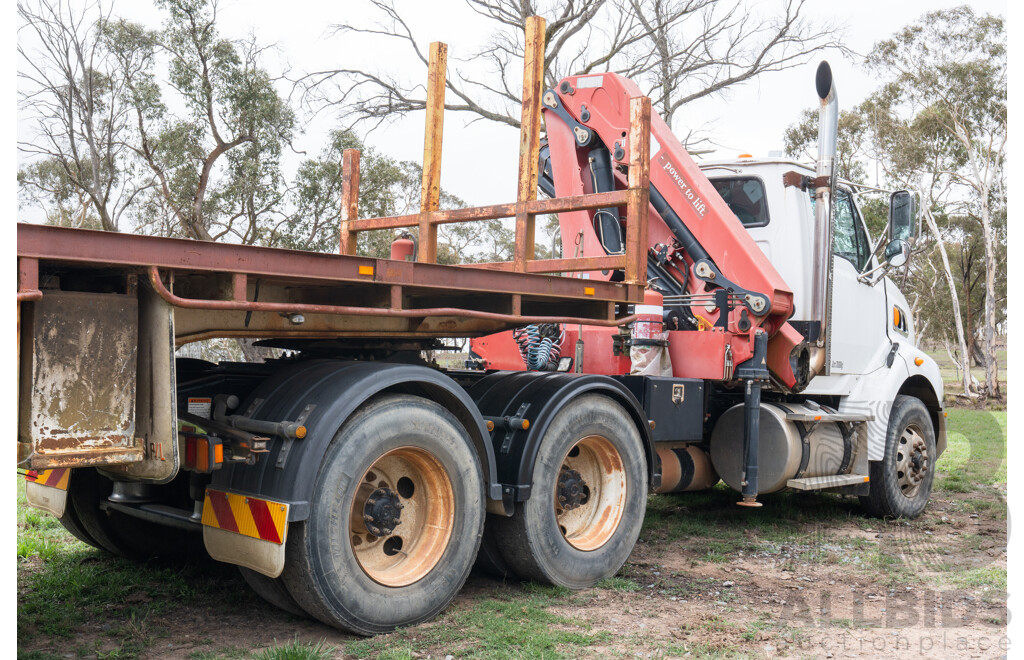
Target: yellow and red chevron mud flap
[245, 530]
[48, 489]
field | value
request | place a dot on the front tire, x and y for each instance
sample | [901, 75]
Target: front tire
[588, 499]
[395, 521]
[901, 483]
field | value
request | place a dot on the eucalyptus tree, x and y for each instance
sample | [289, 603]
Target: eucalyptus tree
[211, 133]
[945, 81]
[70, 94]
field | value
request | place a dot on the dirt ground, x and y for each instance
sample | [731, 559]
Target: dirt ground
[843, 585]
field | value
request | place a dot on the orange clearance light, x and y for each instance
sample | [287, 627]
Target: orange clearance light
[918, 361]
[300, 432]
[896, 316]
[588, 290]
[526, 424]
[746, 155]
[490, 425]
[366, 270]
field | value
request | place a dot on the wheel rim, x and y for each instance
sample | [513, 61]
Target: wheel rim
[911, 460]
[402, 516]
[590, 493]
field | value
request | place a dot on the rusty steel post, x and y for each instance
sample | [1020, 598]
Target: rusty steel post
[529, 140]
[349, 238]
[430, 194]
[639, 180]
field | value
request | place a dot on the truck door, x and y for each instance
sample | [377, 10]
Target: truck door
[858, 309]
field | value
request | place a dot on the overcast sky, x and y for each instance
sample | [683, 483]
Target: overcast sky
[480, 159]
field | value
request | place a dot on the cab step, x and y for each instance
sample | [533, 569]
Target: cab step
[831, 481]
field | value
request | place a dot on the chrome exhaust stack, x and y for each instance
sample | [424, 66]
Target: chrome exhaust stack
[824, 182]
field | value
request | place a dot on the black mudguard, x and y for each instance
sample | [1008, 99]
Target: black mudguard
[505, 393]
[327, 392]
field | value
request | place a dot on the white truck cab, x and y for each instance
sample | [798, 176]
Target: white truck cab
[872, 360]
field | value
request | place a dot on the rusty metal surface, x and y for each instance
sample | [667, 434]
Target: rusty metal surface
[639, 180]
[348, 310]
[430, 191]
[156, 424]
[108, 249]
[349, 200]
[81, 401]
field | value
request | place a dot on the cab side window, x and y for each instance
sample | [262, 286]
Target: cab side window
[849, 239]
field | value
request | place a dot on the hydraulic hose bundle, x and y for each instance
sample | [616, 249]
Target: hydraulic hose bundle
[540, 345]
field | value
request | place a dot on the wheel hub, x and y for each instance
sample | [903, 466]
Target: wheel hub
[382, 512]
[918, 461]
[911, 461]
[572, 490]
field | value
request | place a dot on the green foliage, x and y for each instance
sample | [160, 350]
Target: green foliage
[801, 141]
[232, 109]
[297, 650]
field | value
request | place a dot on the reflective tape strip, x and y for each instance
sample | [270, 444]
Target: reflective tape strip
[57, 478]
[648, 309]
[248, 516]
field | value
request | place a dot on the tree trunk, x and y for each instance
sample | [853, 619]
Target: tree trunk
[991, 263]
[956, 299]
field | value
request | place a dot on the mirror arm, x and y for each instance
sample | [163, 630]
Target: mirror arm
[868, 277]
[878, 244]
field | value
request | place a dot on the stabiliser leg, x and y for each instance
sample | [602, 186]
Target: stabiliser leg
[754, 374]
[751, 432]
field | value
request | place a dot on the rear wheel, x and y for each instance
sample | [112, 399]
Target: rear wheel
[272, 590]
[588, 499]
[901, 483]
[395, 521]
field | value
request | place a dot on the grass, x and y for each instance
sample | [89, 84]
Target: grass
[975, 450]
[516, 624]
[296, 650]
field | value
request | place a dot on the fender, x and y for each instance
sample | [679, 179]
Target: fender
[504, 393]
[326, 393]
[874, 392]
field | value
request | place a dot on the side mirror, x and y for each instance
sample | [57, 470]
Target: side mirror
[897, 252]
[902, 217]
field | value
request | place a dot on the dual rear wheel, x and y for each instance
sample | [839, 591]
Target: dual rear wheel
[587, 503]
[397, 514]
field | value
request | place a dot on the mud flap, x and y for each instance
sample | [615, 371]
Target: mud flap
[48, 490]
[247, 531]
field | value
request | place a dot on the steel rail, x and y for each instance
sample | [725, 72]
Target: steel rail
[348, 310]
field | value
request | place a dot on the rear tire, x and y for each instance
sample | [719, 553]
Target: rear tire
[593, 447]
[118, 533]
[901, 483]
[273, 591]
[354, 567]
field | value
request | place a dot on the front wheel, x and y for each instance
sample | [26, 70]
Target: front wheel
[395, 521]
[901, 483]
[588, 499]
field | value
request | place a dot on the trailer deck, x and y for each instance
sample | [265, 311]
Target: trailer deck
[225, 290]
